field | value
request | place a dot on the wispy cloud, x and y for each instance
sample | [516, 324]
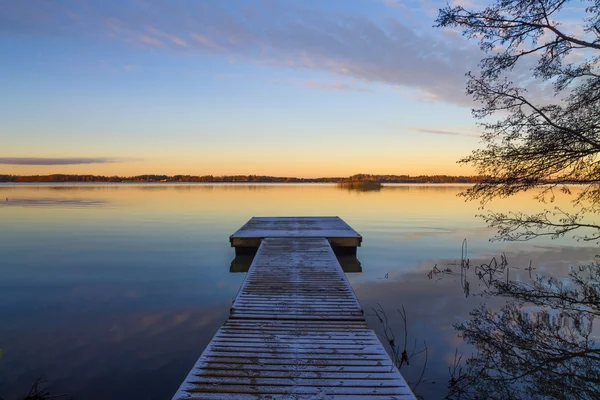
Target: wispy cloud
[58, 160]
[173, 38]
[284, 35]
[326, 85]
[151, 41]
[397, 4]
[205, 41]
[439, 131]
[465, 3]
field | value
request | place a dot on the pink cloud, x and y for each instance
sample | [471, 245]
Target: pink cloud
[151, 41]
[204, 40]
[439, 131]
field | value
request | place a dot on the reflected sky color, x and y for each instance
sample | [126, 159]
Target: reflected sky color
[111, 290]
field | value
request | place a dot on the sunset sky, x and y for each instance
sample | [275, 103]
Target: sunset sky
[302, 88]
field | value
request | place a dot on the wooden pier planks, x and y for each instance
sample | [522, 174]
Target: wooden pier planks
[296, 279]
[295, 331]
[253, 359]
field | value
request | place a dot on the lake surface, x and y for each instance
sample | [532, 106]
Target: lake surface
[113, 291]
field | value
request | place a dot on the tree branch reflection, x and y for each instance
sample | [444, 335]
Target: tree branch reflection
[539, 345]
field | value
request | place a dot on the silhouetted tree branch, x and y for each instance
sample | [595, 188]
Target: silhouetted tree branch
[38, 391]
[536, 141]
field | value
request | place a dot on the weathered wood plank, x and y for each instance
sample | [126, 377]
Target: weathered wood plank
[294, 356]
[289, 389]
[295, 345]
[246, 396]
[299, 329]
[285, 351]
[298, 339]
[302, 382]
[298, 363]
[286, 369]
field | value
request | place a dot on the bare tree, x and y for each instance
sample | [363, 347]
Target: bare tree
[533, 141]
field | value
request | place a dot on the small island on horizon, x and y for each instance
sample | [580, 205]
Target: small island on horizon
[60, 178]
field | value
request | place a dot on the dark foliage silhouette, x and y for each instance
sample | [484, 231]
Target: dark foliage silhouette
[547, 137]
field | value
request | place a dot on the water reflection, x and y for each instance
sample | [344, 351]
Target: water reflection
[241, 263]
[350, 263]
[118, 298]
[540, 344]
[77, 330]
[361, 186]
[51, 202]
[435, 306]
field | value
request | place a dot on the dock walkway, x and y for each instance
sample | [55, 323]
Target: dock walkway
[295, 331]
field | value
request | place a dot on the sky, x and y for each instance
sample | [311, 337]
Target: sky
[285, 88]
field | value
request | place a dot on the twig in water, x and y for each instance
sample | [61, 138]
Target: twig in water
[399, 357]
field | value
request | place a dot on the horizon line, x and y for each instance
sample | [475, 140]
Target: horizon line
[240, 175]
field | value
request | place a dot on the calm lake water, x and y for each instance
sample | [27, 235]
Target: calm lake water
[113, 291]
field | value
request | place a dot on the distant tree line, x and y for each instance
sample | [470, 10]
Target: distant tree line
[239, 178]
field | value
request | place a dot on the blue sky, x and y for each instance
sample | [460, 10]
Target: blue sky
[305, 88]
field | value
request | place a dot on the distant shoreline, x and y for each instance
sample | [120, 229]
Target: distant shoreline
[381, 179]
[166, 184]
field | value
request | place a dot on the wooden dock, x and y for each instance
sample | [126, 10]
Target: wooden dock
[342, 238]
[295, 330]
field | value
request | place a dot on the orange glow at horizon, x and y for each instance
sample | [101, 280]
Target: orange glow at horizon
[314, 169]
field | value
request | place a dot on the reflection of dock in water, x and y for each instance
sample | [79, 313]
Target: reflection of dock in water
[295, 329]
